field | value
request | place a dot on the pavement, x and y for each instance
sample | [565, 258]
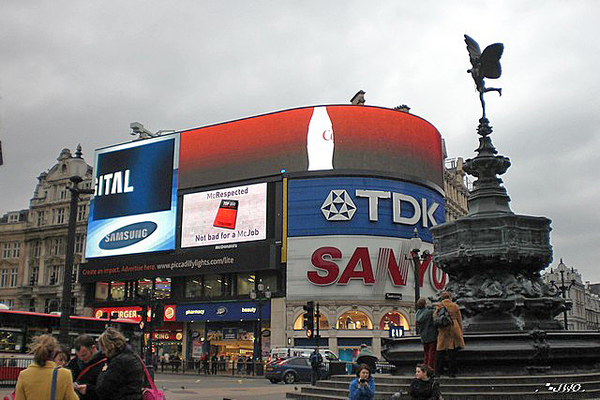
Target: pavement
[221, 387]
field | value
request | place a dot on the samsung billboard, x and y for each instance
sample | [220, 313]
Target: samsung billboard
[230, 215]
[134, 208]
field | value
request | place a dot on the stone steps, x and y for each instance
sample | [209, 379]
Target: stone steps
[539, 387]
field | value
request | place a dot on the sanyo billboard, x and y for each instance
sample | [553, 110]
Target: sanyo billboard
[349, 237]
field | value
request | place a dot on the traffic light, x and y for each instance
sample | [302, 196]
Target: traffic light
[309, 318]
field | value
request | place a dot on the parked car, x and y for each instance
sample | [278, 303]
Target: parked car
[285, 352]
[290, 370]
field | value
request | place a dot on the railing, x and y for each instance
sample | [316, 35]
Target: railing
[251, 368]
[10, 368]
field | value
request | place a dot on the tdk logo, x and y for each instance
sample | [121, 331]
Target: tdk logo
[128, 235]
[113, 183]
[338, 206]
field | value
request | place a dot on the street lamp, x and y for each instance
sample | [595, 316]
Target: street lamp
[415, 247]
[78, 169]
[563, 288]
[259, 296]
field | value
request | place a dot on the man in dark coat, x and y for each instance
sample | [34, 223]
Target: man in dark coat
[427, 331]
[86, 367]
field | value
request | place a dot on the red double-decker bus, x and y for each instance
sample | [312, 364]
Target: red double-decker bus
[19, 328]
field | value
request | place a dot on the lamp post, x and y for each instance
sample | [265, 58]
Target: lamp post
[563, 288]
[78, 169]
[259, 296]
[415, 247]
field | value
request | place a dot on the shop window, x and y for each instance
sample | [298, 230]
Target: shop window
[143, 285]
[352, 320]
[11, 341]
[212, 285]
[117, 291]
[299, 323]
[271, 282]
[101, 291]
[245, 283]
[162, 289]
[193, 287]
[393, 318]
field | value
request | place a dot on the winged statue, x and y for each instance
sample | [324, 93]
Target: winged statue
[484, 65]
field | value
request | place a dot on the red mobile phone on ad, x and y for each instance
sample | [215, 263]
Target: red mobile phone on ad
[227, 214]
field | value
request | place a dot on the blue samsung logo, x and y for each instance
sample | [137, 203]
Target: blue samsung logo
[128, 235]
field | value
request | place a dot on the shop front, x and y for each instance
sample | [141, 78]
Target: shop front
[225, 329]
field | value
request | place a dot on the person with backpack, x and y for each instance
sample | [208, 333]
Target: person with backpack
[316, 360]
[448, 319]
[428, 332]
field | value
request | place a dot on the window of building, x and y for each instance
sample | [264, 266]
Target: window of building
[59, 216]
[31, 305]
[391, 319]
[144, 285]
[53, 275]
[74, 273]
[354, 319]
[245, 283]
[36, 249]
[34, 272]
[79, 244]
[299, 324]
[73, 305]
[212, 286]
[12, 218]
[56, 247]
[8, 277]
[62, 194]
[6, 250]
[81, 212]
[162, 289]
[51, 305]
[193, 287]
[40, 218]
[101, 292]
[11, 250]
[16, 249]
[117, 291]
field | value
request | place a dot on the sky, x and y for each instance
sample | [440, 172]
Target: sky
[80, 72]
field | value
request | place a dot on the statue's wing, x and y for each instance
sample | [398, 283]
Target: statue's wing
[490, 60]
[474, 50]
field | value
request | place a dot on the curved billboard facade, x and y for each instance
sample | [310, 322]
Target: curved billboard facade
[373, 140]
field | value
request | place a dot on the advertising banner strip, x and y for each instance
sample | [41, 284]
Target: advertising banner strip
[243, 258]
[362, 206]
[230, 311]
[333, 137]
[134, 208]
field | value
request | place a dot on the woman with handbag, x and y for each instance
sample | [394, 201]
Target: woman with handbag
[43, 379]
[122, 377]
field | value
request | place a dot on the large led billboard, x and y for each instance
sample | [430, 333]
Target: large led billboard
[134, 208]
[230, 215]
[362, 206]
[335, 137]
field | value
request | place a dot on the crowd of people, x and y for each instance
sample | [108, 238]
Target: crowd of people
[103, 370]
[110, 369]
[440, 328]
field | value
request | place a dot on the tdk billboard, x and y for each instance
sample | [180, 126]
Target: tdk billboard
[362, 206]
[134, 208]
